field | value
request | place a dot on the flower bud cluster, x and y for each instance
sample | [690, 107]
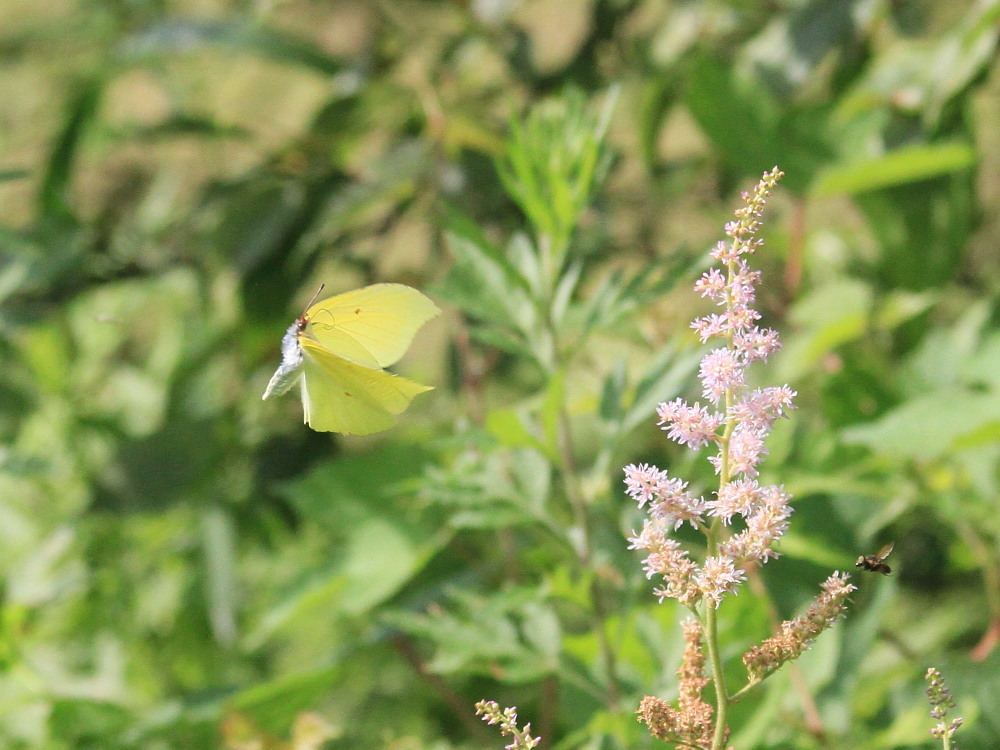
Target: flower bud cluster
[736, 420]
[797, 635]
[941, 701]
[507, 719]
[690, 724]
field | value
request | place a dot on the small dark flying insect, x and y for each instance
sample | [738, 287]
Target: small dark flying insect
[876, 562]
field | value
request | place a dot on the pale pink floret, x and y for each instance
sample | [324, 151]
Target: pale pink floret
[645, 483]
[741, 317]
[758, 409]
[661, 551]
[721, 371]
[766, 524]
[742, 285]
[717, 577]
[678, 508]
[737, 497]
[837, 586]
[774, 498]
[723, 252]
[756, 344]
[669, 501]
[746, 450]
[711, 326]
[755, 546]
[693, 426]
[712, 284]
[782, 399]
[652, 536]
[667, 559]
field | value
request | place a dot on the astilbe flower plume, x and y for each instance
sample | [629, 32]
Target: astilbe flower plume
[735, 421]
[745, 519]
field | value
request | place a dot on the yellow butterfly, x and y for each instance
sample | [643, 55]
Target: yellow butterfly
[338, 347]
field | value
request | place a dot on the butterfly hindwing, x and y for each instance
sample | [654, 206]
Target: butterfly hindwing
[342, 396]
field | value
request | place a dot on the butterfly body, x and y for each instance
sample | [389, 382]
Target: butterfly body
[337, 350]
[876, 563]
[291, 360]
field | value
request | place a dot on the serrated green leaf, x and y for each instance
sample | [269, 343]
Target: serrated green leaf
[481, 286]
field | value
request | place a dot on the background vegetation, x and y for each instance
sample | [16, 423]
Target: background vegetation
[186, 566]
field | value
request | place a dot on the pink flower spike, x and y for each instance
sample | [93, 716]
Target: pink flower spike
[739, 438]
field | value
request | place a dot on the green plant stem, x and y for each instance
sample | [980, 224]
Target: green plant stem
[738, 695]
[549, 253]
[575, 497]
[718, 678]
[552, 250]
[711, 613]
[456, 703]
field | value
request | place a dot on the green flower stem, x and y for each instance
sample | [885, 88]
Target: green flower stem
[718, 677]
[738, 695]
[722, 699]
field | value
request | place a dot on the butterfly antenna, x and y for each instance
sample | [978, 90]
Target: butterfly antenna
[321, 287]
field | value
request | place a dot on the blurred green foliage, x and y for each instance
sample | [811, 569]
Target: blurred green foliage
[186, 566]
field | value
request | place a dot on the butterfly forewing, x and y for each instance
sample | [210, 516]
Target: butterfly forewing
[372, 326]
